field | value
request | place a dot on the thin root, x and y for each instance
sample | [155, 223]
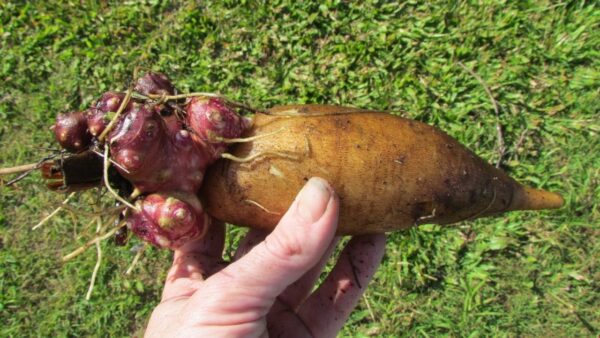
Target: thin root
[81, 212]
[53, 213]
[98, 261]
[115, 119]
[111, 161]
[247, 139]
[257, 155]
[262, 207]
[114, 193]
[84, 247]
[425, 218]
[135, 260]
[293, 112]
[165, 98]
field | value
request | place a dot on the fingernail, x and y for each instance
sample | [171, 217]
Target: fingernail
[313, 199]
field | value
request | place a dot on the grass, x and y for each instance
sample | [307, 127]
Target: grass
[522, 274]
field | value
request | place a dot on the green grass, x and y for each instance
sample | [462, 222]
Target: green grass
[523, 274]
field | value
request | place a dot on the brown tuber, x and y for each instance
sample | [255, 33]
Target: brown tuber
[390, 173]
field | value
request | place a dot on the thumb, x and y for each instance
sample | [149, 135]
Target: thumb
[297, 243]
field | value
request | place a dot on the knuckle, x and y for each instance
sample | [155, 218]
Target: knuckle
[283, 248]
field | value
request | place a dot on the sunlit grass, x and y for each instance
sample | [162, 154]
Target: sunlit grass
[523, 274]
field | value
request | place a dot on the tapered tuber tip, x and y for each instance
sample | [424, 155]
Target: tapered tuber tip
[528, 198]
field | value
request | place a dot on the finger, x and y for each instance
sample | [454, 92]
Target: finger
[297, 243]
[195, 261]
[252, 238]
[327, 309]
[298, 291]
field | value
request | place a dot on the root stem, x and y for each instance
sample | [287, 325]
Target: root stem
[255, 156]
[247, 139]
[261, 207]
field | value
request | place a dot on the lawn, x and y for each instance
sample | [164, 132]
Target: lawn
[521, 274]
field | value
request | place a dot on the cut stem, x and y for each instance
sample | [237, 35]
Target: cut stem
[19, 169]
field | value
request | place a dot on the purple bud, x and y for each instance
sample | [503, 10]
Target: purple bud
[154, 83]
[168, 221]
[110, 102]
[71, 131]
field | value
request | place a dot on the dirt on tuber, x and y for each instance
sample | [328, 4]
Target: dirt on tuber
[391, 173]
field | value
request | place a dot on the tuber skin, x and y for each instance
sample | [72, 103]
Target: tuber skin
[71, 131]
[154, 83]
[212, 119]
[390, 173]
[159, 154]
[168, 220]
[97, 118]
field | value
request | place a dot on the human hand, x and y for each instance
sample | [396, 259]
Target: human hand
[266, 291]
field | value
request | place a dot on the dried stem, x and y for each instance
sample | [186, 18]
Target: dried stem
[53, 213]
[19, 169]
[24, 169]
[500, 136]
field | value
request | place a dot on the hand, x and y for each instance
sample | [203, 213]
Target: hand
[267, 290]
